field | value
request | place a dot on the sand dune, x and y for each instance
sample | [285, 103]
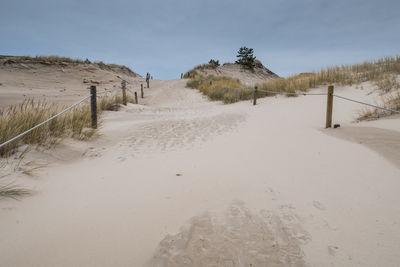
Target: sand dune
[181, 181]
[259, 74]
[63, 83]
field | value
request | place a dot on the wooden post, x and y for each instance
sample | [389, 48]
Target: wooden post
[329, 107]
[124, 101]
[141, 90]
[136, 97]
[255, 96]
[93, 105]
[148, 80]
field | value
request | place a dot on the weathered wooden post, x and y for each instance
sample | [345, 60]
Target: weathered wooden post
[255, 96]
[93, 105]
[141, 90]
[329, 107]
[123, 84]
[148, 80]
[136, 97]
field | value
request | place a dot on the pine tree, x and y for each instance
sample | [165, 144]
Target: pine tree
[214, 63]
[246, 57]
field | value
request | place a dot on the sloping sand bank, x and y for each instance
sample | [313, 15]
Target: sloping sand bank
[383, 141]
[181, 178]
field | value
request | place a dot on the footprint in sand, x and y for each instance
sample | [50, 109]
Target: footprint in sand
[318, 205]
[332, 250]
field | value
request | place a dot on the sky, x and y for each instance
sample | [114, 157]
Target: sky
[169, 37]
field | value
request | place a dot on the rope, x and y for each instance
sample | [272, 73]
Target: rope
[130, 91]
[288, 93]
[111, 91]
[345, 98]
[46, 121]
[359, 102]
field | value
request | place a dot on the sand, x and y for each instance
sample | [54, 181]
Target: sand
[181, 181]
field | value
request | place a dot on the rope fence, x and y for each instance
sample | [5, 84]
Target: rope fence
[338, 96]
[44, 122]
[93, 96]
[289, 93]
[330, 96]
[363, 103]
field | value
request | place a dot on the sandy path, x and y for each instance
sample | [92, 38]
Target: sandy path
[258, 185]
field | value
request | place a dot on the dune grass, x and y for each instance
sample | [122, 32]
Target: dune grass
[10, 189]
[221, 88]
[13, 191]
[41, 59]
[59, 60]
[390, 100]
[75, 123]
[383, 73]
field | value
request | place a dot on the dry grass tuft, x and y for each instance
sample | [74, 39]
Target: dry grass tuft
[227, 89]
[391, 100]
[13, 191]
[221, 88]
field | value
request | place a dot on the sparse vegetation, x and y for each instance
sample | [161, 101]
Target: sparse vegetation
[75, 123]
[11, 190]
[212, 64]
[383, 73]
[43, 59]
[191, 74]
[391, 100]
[59, 60]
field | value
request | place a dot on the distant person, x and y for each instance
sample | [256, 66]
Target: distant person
[148, 80]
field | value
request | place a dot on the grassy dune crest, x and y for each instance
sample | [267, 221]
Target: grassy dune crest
[48, 60]
[383, 73]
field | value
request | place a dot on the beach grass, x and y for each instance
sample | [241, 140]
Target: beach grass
[75, 123]
[62, 60]
[13, 191]
[383, 73]
[221, 88]
[389, 100]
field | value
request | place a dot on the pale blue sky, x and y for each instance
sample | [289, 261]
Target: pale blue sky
[167, 37]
